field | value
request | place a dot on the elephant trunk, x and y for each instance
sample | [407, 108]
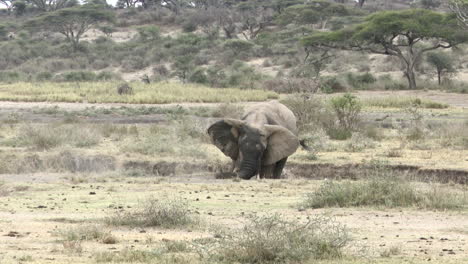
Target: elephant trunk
[248, 168]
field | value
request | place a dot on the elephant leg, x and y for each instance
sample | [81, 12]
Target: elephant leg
[266, 172]
[233, 166]
[279, 166]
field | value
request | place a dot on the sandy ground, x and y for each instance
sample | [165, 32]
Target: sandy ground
[36, 208]
[32, 219]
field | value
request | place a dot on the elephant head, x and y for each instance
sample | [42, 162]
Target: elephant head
[252, 146]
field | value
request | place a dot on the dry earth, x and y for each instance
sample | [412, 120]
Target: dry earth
[35, 208]
[39, 207]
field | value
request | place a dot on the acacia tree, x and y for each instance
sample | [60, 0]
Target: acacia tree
[442, 62]
[404, 34]
[460, 8]
[312, 13]
[71, 22]
[52, 5]
[254, 17]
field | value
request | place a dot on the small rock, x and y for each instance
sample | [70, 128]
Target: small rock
[92, 193]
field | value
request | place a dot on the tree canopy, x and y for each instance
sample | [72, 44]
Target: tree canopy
[460, 8]
[405, 34]
[313, 12]
[71, 22]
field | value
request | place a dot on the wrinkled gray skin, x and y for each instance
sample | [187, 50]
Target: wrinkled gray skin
[260, 142]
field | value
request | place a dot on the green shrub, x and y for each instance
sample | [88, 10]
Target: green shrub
[149, 33]
[3, 32]
[332, 85]
[198, 76]
[311, 113]
[347, 109]
[272, 239]
[44, 137]
[77, 76]
[386, 191]
[238, 46]
[44, 76]
[80, 233]
[189, 27]
[338, 133]
[107, 76]
[10, 76]
[360, 81]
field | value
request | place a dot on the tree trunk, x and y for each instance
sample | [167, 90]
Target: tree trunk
[439, 73]
[411, 78]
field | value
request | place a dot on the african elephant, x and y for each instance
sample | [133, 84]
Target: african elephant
[260, 142]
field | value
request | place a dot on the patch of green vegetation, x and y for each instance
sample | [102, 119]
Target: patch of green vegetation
[84, 233]
[398, 102]
[273, 239]
[382, 192]
[167, 213]
[44, 137]
[128, 256]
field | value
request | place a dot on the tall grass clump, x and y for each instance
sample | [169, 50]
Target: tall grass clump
[383, 192]
[44, 137]
[374, 192]
[273, 239]
[87, 233]
[168, 213]
[183, 138]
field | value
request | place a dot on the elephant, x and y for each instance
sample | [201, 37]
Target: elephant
[260, 142]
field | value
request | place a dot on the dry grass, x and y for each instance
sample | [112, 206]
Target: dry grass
[399, 102]
[384, 192]
[274, 239]
[167, 213]
[106, 92]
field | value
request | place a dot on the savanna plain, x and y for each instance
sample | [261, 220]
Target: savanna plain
[135, 183]
[105, 156]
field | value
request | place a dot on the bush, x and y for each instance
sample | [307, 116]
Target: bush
[77, 76]
[332, 85]
[198, 76]
[272, 239]
[347, 109]
[384, 191]
[238, 46]
[149, 33]
[86, 233]
[311, 113]
[170, 213]
[10, 76]
[3, 32]
[189, 27]
[44, 76]
[44, 137]
[360, 81]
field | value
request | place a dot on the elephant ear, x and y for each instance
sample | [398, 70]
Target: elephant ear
[224, 135]
[280, 144]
